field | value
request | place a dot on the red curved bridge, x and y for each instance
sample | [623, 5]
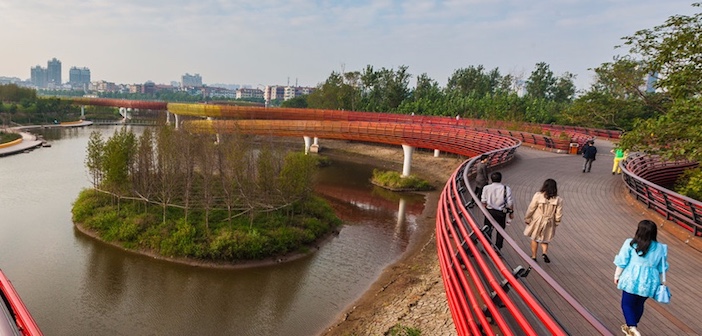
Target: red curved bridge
[491, 292]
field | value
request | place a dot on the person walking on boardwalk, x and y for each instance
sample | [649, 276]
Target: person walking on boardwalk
[497, 198]
[619, 155]
[589, 154]
[481, 178]
[640, 262]
[542, 217]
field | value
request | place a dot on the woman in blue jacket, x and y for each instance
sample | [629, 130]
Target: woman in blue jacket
[639, 262]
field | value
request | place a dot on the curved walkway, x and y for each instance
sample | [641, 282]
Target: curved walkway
[30, 141]
[598, 216]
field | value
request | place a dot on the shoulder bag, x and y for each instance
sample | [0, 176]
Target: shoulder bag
[663, 292]
[505, 209]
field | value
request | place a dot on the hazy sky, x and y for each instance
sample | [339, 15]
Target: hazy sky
[272, 42]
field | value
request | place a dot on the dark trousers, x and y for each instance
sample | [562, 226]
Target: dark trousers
[500, 217]
[633, 308]
[479, 193]
[587, 165]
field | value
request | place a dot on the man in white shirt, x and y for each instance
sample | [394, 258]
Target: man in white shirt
[497, 198]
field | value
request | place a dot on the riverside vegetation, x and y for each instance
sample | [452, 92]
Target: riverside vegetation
[183, 195]
[395, 181]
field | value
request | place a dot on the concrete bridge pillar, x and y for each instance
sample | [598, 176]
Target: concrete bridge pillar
[308, 143]
[82, 112]
[217, 139]
[436, 153]
[177, 121]
[407, 164]
[168, 118]
[315, 145]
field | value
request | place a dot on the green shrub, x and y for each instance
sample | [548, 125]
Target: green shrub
[690, 184]
[240, 245]
[394, 180]
[102, 220]
[400, 330]
[7, 137]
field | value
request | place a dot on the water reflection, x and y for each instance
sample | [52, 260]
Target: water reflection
[74, 285]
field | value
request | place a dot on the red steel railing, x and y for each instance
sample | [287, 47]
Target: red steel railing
[485, 296]
[645, 175]
[19, 319]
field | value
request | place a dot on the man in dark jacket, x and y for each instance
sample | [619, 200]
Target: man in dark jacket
[481, 178]
[589, 154]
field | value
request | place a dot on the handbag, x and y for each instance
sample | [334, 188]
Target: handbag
[505, 209]
[663, 292]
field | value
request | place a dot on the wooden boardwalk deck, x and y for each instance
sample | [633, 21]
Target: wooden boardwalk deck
[598, 217]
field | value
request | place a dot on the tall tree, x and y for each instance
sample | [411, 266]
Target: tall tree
[540, 83]
[674, 52]
[94, 159]
[144, 173]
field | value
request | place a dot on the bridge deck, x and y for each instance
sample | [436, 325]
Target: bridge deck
[598, 216]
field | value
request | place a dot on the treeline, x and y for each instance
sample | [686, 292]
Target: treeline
[475, 92]
[23, 106]
[183, 194]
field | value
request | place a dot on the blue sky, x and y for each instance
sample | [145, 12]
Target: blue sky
[273, 42]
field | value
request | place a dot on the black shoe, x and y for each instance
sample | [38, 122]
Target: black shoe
[472, 204]
[588, 171]
[534, 259]
[583, 170]
[546, 259]
[612, 173]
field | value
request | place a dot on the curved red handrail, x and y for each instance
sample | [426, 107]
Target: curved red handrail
[23, 319]
[484, 277]
[644, 175]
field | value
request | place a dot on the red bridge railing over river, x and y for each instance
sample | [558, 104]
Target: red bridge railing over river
[485, 295]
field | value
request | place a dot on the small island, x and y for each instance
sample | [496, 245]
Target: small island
[185, 197]
[394, 181]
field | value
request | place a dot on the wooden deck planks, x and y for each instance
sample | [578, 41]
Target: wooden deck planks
[597, 218]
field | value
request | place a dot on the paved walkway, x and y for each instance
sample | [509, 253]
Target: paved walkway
[30, 141]
[598, 217]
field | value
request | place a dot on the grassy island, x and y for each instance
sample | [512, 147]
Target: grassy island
[396, 182]
[181, 195]
[266, 235]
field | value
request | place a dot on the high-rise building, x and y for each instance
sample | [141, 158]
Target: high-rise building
[189, 80]
[79, 77]
[39, 77]
[53, 70]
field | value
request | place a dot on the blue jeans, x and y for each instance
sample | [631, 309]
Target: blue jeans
[633, 308]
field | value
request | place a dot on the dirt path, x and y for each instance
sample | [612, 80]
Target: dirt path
[410, 292]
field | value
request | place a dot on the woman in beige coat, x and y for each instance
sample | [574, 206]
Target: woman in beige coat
[542, 218]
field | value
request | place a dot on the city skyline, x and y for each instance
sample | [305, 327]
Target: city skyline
[302, 42]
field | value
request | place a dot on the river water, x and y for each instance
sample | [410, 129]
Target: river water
[75, 285]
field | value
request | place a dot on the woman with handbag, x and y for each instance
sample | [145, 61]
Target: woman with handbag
[542, 217]
[640, 263]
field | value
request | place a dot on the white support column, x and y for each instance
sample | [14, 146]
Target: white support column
[168, 117]
[315, 145]
[217, 139]
[82, 112]
[177, 121]
[308, 143]
[407, 164]
[436, 153]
